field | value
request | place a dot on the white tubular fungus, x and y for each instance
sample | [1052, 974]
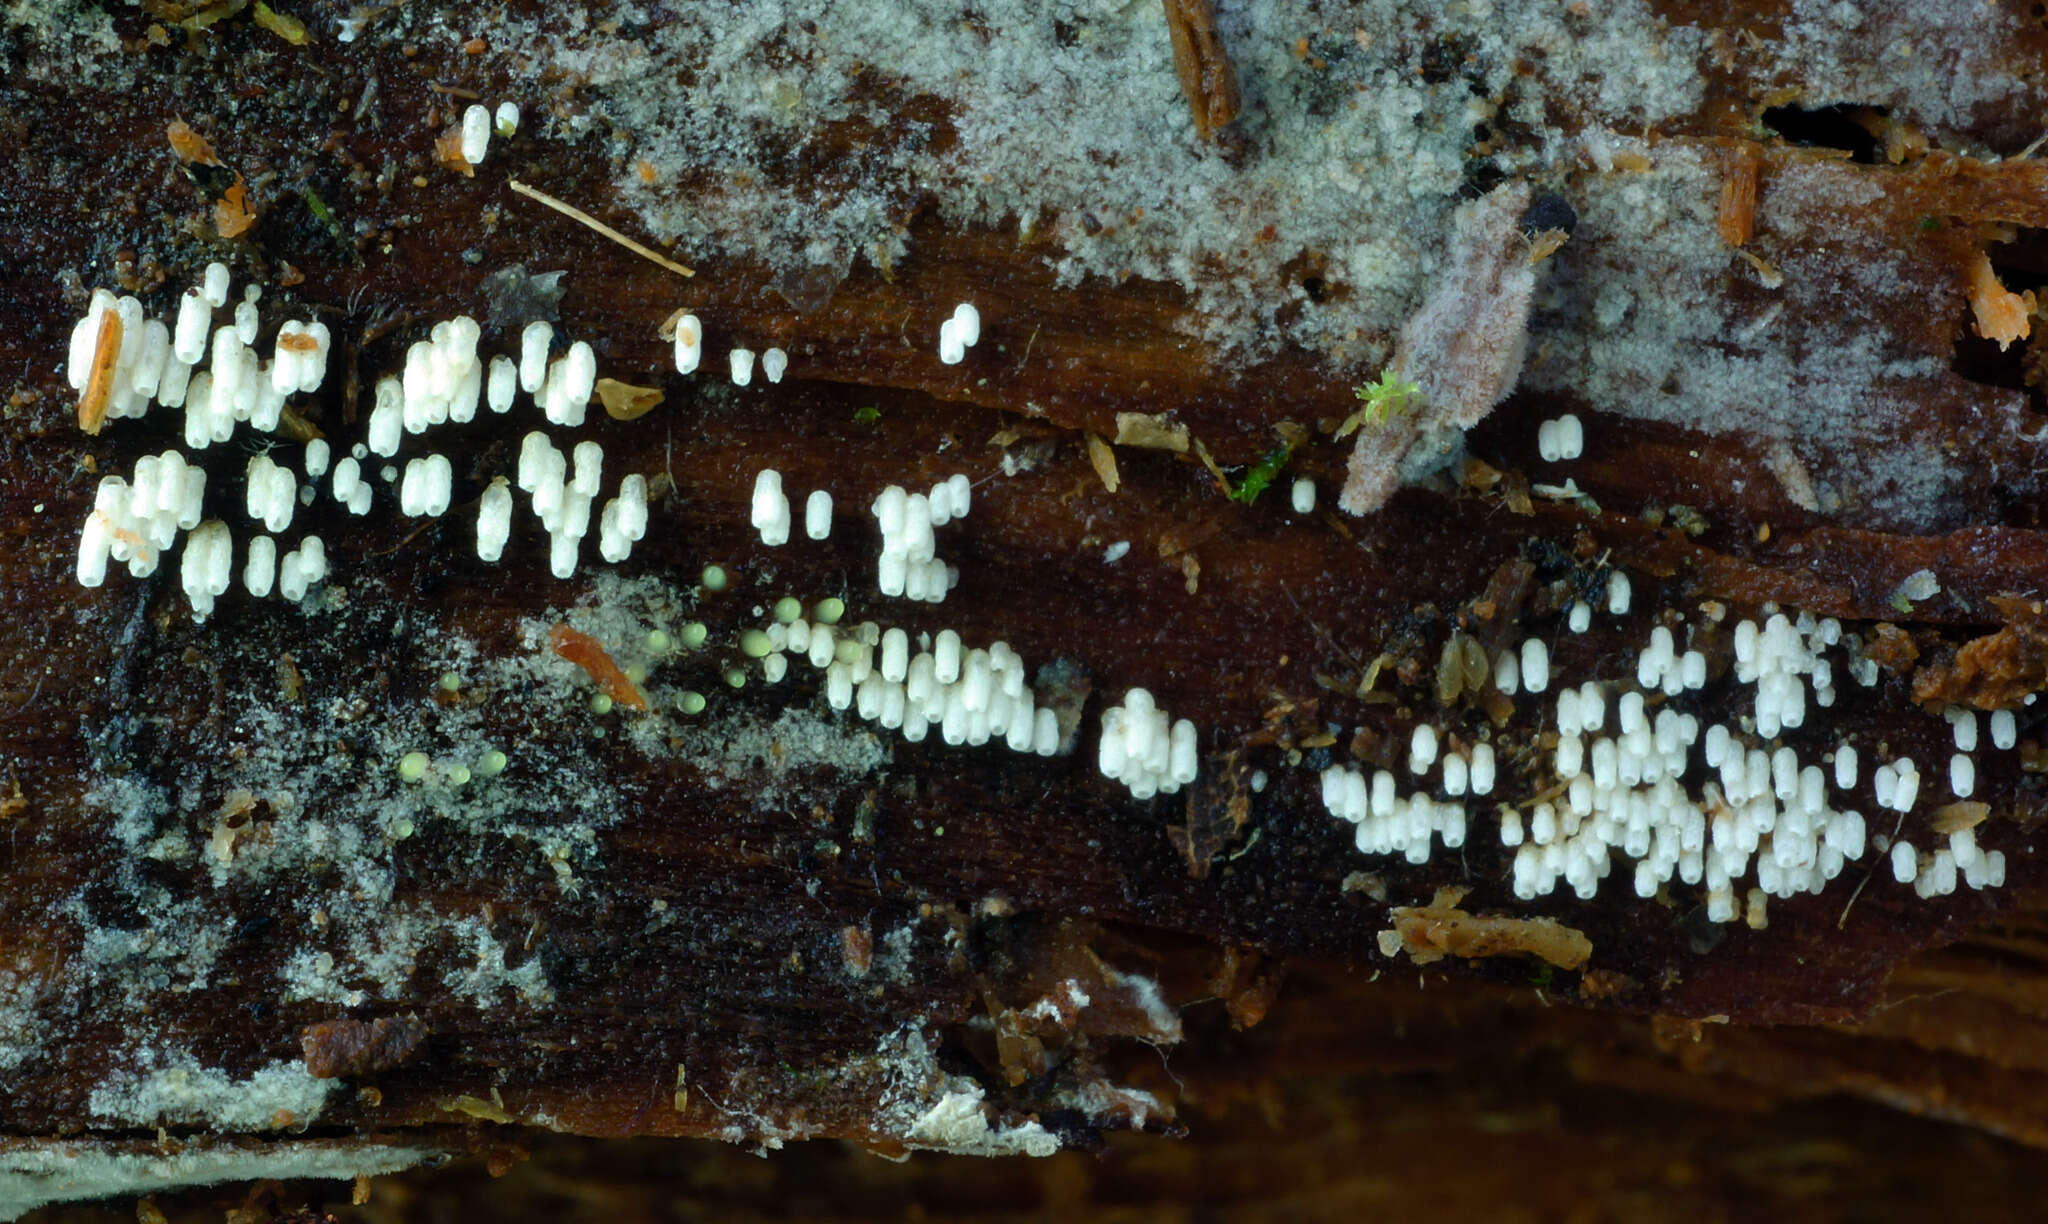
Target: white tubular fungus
[633, 507]
[503, 385]
[818, 515]
[387, 418]
[579, 379]
[195, 320]
[589, 460]
[494, 521]
[506, 122]
[440, 485]
[967, 324]
[476, 133]
[773, 363]
[259, 570]
[207, 566]
[770, 513]
[533, 355]
[2004, 729]
[316, 458]
[1571, 437]
[952, 350]
[1535, 665]
[1304, 495]
[412, 491]
[742, 363]
[1143, 751]
[246, 322]
[214, 286]
[689, 344]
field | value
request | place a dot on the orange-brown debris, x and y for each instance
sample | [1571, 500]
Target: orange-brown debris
[231, 213]
[1431, 932]
[1995, 671]
[2001, 313]
[585, 652]
[336, 1048]
[99, 384]
[189, 145]
[1737, 220]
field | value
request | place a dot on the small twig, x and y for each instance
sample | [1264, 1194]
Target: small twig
[576, 214]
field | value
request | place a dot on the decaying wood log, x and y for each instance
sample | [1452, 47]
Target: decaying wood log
[462, 859]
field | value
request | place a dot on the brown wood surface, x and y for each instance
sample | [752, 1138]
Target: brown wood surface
[769, 935]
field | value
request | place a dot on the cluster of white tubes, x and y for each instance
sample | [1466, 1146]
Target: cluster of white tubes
[1141, 750]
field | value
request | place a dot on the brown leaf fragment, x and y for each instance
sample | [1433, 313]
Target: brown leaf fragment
[1962, 814]
[1103, 460]
[626, 402]
[337, 1048]
[1431, 932]
[1152, 430]
[1996, 671]
[1204, 68]
[99, 383]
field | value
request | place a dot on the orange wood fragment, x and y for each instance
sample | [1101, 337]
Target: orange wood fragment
[585, 652]
[1737, 220]
[99, 384]
[2002, 315]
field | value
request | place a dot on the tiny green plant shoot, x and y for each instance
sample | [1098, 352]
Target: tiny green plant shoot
[1261, 474]
[1383, 397]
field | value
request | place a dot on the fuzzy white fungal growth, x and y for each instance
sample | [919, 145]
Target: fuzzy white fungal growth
[476, 133]
[689, 344]
[742, 364]
[506, 121]
[773, 363]
[1304, 495]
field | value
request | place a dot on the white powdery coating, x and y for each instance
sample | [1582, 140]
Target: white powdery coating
[476, 133]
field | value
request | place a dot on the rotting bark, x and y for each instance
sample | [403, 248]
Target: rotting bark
[761, 929]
